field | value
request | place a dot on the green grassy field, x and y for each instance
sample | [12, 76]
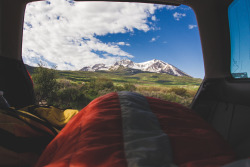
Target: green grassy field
[163, 86]
[159, 85]
[140, 78]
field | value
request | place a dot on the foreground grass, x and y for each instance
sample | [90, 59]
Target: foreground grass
[163, 86]
[178, 94]
[142, 78]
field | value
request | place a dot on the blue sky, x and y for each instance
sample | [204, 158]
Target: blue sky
[105, 33]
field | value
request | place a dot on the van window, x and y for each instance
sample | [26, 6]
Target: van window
[101, 47]
[239, 23]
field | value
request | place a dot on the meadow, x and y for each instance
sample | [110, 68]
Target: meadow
[158, 85]
[75, 89]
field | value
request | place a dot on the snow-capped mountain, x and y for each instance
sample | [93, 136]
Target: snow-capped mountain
[156, 66]
[96, 67]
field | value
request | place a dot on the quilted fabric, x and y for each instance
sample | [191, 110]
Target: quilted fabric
[23, 137]
[126, 129]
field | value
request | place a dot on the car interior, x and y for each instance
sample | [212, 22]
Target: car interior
[222, 100]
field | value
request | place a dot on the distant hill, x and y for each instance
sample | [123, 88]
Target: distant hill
[123, 75]
[133, 76]
[155, 66]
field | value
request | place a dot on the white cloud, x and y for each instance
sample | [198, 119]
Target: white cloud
[186, 8]
[153, 18]
[66, 33]
[154, 39]
[170, 7]
[177, 16]
[123, 43]
[191, 26]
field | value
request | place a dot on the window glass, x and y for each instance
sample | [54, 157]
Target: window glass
[101, 47]
[239, 21]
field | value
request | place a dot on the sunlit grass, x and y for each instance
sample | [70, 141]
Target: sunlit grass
[163, 86]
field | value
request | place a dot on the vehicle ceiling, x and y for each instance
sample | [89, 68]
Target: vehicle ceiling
[211, 16]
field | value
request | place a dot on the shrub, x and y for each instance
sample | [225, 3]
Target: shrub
[172, 97]
[64, 83]
[97, 87]
[45, 84]
[179, 91]
[119, 88]
[126, 87]
[104, 91]
[129, 87]
[70, 97]
[103, 83]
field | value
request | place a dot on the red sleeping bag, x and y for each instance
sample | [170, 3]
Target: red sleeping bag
[127, 129]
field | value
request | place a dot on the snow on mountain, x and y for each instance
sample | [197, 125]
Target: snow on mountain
[156, 66]
[96, 67]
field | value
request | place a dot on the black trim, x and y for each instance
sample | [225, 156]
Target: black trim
[23, 144]
[16, 83]
[16, 114]
[141, 1]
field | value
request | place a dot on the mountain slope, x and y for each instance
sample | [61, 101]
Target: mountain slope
[155, 66]
[126, 75]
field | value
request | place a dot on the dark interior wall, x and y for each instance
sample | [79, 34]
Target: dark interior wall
[14, 79]
[221, 100]
[12, 28]
[225, 104]
[16, 83]
[213, 24]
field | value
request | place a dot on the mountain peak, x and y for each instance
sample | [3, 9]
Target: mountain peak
[124, 62]
[155, 61]
[156, 66]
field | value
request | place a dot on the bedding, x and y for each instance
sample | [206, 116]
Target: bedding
[23, 137]
[126, 129]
